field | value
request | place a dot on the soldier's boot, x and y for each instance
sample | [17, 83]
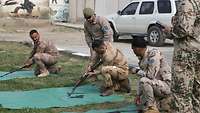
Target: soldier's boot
[107, 92]
[44, 73]
[151, 109]
[125, 85]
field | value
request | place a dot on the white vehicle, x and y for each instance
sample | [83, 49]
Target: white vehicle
[139, 18]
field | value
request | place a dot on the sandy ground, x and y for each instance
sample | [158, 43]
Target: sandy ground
[17, 29]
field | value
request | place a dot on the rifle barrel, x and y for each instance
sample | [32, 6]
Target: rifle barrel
[12, 71]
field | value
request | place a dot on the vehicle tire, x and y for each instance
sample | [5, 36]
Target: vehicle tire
[115, 35]
[155, 36]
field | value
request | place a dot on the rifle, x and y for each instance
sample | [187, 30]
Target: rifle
[84, 77]
[12, 71]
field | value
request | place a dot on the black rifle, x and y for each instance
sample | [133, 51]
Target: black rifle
[12, 71]
[84, 77]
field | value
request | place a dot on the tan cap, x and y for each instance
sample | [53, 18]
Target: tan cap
[88, 12]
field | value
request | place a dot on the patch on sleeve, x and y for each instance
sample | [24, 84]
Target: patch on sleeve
[105, 29]
[153, 52]
[151, 61]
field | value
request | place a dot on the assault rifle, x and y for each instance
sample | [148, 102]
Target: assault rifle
[84, 77]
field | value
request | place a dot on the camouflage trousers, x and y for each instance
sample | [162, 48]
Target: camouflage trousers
[151, 91]
[186, 81]
[115, 77]
[44, 62]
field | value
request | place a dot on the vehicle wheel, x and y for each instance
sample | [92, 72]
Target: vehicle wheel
[155, 36]
[115, 37]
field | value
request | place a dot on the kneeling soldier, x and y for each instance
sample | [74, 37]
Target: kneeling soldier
[114, 68]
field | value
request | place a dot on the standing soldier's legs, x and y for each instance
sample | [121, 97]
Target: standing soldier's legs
[43, 59]
[196, 90]
[182, 85]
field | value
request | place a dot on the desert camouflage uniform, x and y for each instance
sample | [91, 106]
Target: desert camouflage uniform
[44, 55]
[100, 30]
[186, 60]
[114, 68]
[155, 80]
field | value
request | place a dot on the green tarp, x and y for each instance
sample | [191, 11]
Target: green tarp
[18, 74]
[126, 109]
[53, 97]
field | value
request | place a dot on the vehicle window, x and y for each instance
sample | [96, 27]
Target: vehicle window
[130, 9]
[164, 6]
[147, 8]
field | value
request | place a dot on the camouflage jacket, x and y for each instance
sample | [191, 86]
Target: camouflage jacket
[155, 66]
[100, 30]
[187, 23]
[112, 57]
[44, 47]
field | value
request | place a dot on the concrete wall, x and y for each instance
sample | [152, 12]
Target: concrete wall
[101, 7]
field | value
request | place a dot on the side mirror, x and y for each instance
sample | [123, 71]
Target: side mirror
[119, 12]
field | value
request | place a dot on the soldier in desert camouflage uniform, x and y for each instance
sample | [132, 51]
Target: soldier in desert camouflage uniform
[186, 60]
[96, 27]
[114, 68]
[155, 75]
[44, 55]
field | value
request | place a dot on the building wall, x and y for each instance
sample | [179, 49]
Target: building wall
[101, 7]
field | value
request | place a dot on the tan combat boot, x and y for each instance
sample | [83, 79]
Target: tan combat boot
[44, 74]
[151, 109]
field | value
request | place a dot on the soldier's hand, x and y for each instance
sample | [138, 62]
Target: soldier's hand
[28, 63]
[137, 100]
[88, 69]
[167, 29]
[93, 73]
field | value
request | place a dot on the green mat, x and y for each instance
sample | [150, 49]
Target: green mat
[18, 74]
[53, 97]
[126, 109]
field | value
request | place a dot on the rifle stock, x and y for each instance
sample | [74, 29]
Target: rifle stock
[12, 71]
[84, 77]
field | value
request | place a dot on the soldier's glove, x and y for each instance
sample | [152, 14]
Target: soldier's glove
[137, 100]
[93, 73]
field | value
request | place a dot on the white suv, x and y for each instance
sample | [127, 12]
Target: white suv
[139, 18]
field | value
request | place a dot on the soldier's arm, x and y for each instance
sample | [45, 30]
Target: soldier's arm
[185, 19]
[88, 37]
[153, 64]
[107, 30]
